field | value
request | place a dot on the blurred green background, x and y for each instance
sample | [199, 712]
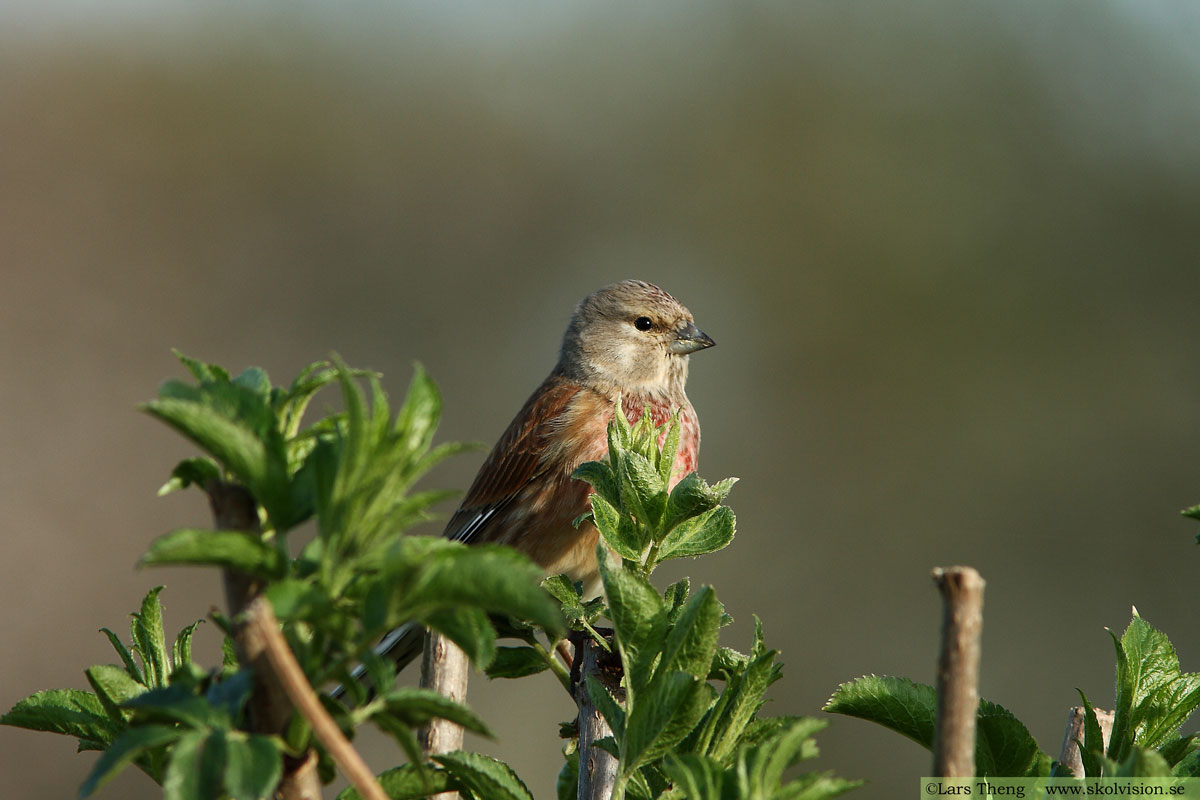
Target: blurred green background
[949, 252]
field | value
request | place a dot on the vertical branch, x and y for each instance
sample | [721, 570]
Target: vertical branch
[1070, 757]
[444, 670]
[958, 671]
[597, 768]
[269, 709]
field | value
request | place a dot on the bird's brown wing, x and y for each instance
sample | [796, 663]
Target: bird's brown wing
[515, 462]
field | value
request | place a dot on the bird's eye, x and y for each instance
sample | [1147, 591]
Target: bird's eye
[643, 323]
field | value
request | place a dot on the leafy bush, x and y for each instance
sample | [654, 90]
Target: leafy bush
[200, 733]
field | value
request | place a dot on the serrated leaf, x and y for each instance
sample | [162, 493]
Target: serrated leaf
[428, 574]
[616, 530]
[72, 712]
[483, 776]
[516, 662]
[253, 766]
[131, 666]
[237, 427]
[643, 491]
[416, 707]
[240, 550]
[1091, 749]
[150, 641]
[407, 782]
[1004, 746]
[114, 686]
[176, 704]
[127, 747]
[639, 619]
[1154, 698]
[692, 642]
[691, 497]
[599, 474]
[670, 446]
[196, 767]
[181, 652]
[647, 721]
[737, 705]
[707, 533]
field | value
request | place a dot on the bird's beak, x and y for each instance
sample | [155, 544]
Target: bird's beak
[689, 339]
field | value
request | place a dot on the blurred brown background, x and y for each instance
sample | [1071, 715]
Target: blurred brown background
[948, 251]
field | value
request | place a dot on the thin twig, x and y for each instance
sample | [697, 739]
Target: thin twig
[958, 671]
[260, 618]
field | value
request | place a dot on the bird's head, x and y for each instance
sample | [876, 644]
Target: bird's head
[631, 337]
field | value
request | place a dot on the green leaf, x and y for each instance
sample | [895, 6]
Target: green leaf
[1091, 750]
[204, 373]
[738, 703]
[253, 766]
[516, 662]
[191, 471]
[150, 641]
[240, 550]
[127, 747]
[697, 536]
[182, 650]
[1004, 746]
[692, 642]
[72, 712]
[670, 446]
[127, 659]
[427, 574]
[297, 599]
[1143, 763]
[238, 428]
[196, 767]
[1154, 697]
[643, 491]
[1193, 512]
[700, 778]
[566, 786]
[650, 716]
[599, 474]
[620, 534]
[407, 782]
[416, 707]
[483, 776]
[176, 704]
[639, 619]
[114, 686]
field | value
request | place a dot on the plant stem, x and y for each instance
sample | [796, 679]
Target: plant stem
[598, 778]
[444, 669]
[958, 671]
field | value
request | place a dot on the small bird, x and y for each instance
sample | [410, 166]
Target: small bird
[629, 340]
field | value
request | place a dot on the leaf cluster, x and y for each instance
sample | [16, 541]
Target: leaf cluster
[641, 518]
[1153, 699]
[163, 713]
[675, 734]
[352, 473]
